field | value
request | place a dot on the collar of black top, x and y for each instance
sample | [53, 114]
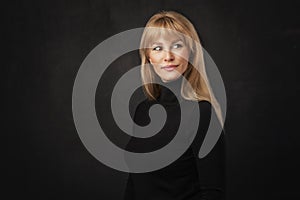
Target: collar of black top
[169, 90]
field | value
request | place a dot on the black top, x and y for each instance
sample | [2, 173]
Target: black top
[187, 178]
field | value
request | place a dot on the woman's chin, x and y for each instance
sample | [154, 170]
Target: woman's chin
[169, 78]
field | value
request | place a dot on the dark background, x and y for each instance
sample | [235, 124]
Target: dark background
[254, 44]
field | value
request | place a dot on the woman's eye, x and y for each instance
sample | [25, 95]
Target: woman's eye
[176, 46]
[158, 48]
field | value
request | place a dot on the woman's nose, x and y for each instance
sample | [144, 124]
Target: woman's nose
[169, 56]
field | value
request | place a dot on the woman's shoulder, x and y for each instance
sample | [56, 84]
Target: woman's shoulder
[205, 109]
[143, 105]
[204, 105]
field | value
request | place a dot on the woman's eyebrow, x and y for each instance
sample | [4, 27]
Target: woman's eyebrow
[159, 43]
[178, 40]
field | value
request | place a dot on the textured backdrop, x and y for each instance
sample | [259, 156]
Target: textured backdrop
[254, 44]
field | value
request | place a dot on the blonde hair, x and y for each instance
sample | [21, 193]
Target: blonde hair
[172, 22]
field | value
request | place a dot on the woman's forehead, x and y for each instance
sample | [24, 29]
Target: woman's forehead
[165, 38]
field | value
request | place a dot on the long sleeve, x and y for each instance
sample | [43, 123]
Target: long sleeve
[128, 193]
[211, 168]
[132, 145]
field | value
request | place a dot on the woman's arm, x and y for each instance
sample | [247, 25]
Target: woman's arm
[211, 168]
[128, 193]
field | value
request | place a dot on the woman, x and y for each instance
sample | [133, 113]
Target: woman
[171, 57]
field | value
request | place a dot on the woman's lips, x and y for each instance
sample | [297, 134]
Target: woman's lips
[169, 67]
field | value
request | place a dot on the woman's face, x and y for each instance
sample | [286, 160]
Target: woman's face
[169, 57]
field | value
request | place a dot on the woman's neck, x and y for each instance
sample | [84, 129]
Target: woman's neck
[169, 90]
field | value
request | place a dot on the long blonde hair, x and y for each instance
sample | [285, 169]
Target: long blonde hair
[166, 22]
